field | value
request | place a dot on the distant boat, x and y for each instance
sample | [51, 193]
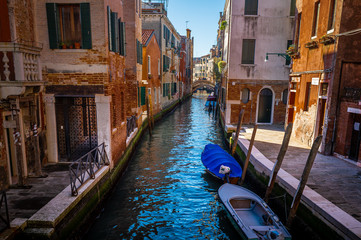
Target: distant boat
[250, 215]
[221, 164]
[211, 102]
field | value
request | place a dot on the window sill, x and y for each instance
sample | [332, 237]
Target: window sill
[70, 50]
[330, 31]
[248, 65]
[314, 37]
[255, 16]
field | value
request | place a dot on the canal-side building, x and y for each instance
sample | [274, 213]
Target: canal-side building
[253, 30]
[92, 75]
[22, 122]
[154, 16]
[325, 86]
[151, 71]
[186, 64]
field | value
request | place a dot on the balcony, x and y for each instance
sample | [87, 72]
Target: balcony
[20, 68]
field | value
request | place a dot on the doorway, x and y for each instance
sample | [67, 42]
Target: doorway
[76, 126]
[355, 138]
[265, 103]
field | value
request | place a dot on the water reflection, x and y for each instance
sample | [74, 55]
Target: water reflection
[165, 192]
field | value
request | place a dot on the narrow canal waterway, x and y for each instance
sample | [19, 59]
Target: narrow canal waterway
[165, 192]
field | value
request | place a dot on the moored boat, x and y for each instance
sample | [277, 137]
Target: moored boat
[251, 216]
[221, 164]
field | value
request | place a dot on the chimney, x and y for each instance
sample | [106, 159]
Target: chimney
[188, 33]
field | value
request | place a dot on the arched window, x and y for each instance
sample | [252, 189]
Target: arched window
[285, 96]
[245, 95]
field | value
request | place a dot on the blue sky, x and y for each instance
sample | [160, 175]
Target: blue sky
[203, 16]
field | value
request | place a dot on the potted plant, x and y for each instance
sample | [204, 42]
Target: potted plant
[327, 39]
[292, 51]
[311, 44]
[221, 65]
[62, 45]
[150, 76]
[223, 25]
[77, 45]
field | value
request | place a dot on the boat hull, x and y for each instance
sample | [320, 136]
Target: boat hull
[250, 215]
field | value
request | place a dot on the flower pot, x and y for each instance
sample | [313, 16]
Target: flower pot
[77, 45]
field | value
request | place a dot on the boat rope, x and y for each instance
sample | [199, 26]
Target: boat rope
[284, 196]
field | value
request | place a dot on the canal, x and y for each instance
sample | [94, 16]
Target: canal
[165, 192]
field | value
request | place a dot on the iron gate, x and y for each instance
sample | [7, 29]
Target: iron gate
[76, 126]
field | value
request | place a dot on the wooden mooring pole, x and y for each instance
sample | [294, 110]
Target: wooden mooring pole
[278, 163]
[306, 172]
[239, 125]
[148, 116]
[249, 154]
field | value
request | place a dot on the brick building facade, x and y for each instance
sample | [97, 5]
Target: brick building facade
[325, 84]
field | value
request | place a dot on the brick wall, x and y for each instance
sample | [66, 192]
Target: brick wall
[234, 93]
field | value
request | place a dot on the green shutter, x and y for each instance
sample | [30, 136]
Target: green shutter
[109, 12]
[137, 51]
[52, 15]
[85, 26]
[116, 33]
[141, 53]
[293, 8]
[142, 89]
[113, 39]
[122, 38]
[163, 89]
[251, 7]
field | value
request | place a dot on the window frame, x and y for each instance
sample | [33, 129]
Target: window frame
[248, 10]
[316, 15]
[332, 15]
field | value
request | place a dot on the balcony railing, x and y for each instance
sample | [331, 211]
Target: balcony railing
[131, 125]
[86, 167]
[20, 61]
[4, 212]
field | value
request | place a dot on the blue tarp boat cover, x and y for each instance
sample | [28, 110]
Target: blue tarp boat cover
[213, 156]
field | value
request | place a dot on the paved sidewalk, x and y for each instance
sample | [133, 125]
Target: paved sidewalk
[336, 180]
[23, 203]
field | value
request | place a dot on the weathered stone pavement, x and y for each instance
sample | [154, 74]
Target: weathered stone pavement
[335, 179]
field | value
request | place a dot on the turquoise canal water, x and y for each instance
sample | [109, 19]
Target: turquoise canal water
[166, 192]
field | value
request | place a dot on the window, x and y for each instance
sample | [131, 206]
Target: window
[158, 66]
[251, 7]
[248, 49]
[139, 52]
[149, 66]
[166, 35]
[155, 95]
[331, 15]
[166, 63]
[315, 18]
[307, 96]
[245, 95]
[298, 32]
[293, 8]
[141, 96]
[288, 60]
[116, 33]
[285, 96]
[69, 25]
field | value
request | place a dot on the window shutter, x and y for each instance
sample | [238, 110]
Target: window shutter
[113, 39]
[116, 33]
[85, 26]
[248, 51]
[51, 13]
[122, 38]
[142, 89]
[109, 27]
[251, 7]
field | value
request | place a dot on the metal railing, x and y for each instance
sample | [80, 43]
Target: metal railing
[5, 218]
[86, 167]
[131, 125]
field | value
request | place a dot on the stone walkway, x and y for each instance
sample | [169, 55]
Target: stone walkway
[25, 202]
[336, 180]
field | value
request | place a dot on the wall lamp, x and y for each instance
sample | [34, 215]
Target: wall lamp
[284, 55]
